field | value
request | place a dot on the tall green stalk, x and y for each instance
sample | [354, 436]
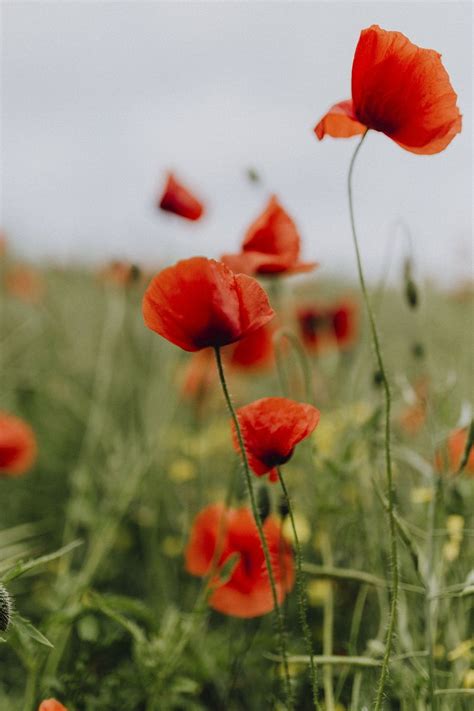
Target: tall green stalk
[388, 456]
[258, 522]
[301, 595]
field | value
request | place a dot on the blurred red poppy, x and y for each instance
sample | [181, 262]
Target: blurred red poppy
[51, 705]
[179, 200]
[271, 429]
[200, 302]
[17, 446]
[255, 351]
[247, 592]
[399, 89]
[199, 374]
[271, 246]
[25, 284]
[325, 326]
[451, 455]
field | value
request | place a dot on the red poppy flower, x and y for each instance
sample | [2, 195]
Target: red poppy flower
[399, 89]
[254, 351]
[313, 327]
[179, 200]
[271, 246]
[453, 452]
[271, 429]
[343, 318]
[17, 446]
[51, 705]
[247, 592]
[25, 284]
[200, 302]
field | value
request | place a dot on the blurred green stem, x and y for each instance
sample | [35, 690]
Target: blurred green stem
[328, 624]
[301, 593]
[388, 456]
[258, 522]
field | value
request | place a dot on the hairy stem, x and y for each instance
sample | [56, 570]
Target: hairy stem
[388, 456]
[300, 590]
[258, 523]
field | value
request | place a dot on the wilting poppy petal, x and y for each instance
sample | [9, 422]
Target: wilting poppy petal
[401, 90]
[51, 705]
[179, 200]
[271, 429]
[17, 446]
[247, 593]
[339, 122]
[200, 302]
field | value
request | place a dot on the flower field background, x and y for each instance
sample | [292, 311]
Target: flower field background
[127, 459]
[233, 483]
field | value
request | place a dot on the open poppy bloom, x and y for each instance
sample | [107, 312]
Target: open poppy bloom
[200, 302]
[271, 429]
[451, 455]
[17, 446]
[399, 89]
[325, 326]
[271, 246]
[254, 351]
[247, 592]
[51, 705]
[179, 200]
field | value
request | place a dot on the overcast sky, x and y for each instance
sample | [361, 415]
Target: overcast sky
[99, 99]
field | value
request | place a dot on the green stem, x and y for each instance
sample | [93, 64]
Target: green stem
[258, 522]
[388, 456]
[328, 624]
[301, 594]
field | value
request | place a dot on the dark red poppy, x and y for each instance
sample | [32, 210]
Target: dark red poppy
[247, 593]
[200, 302]
[179, 200]
[51, 705]
[271, 246]
[17, 446]
[343, 319]
[254, 351]
[313, 325]
[399, 89]
[271, 429]
[450, 456]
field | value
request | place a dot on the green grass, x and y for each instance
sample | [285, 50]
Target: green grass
[125, 462]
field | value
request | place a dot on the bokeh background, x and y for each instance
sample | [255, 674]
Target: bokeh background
[99, 99]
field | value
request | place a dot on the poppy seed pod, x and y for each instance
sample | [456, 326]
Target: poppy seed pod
[5, 609]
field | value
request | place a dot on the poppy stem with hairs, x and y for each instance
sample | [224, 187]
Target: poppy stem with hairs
[388, 455]
[300, 590]
[258, 522]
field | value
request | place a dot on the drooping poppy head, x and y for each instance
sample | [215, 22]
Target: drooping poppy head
[247, 592]
[450, 456]
[200, 302]
[253, 352]
[17, 446]
[179, 200]
[51, 705]
[399, 89]
[271, 246]
[271, 429]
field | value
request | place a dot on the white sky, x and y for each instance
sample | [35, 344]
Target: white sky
[98, 99]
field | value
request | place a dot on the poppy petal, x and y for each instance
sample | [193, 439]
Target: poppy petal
[339, 122]
[180, 201]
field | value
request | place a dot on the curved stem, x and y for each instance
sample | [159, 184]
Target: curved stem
[388, 456]
[258, 522]
[300, 590]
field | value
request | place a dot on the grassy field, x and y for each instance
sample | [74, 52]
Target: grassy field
[126, 459]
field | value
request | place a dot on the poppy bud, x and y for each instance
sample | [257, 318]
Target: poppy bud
[263, 503]
[377, 378]
[5, 609]
[418, 350]
[411, 291]
[253, 175]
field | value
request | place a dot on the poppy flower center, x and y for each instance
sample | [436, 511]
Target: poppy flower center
[275, 459]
